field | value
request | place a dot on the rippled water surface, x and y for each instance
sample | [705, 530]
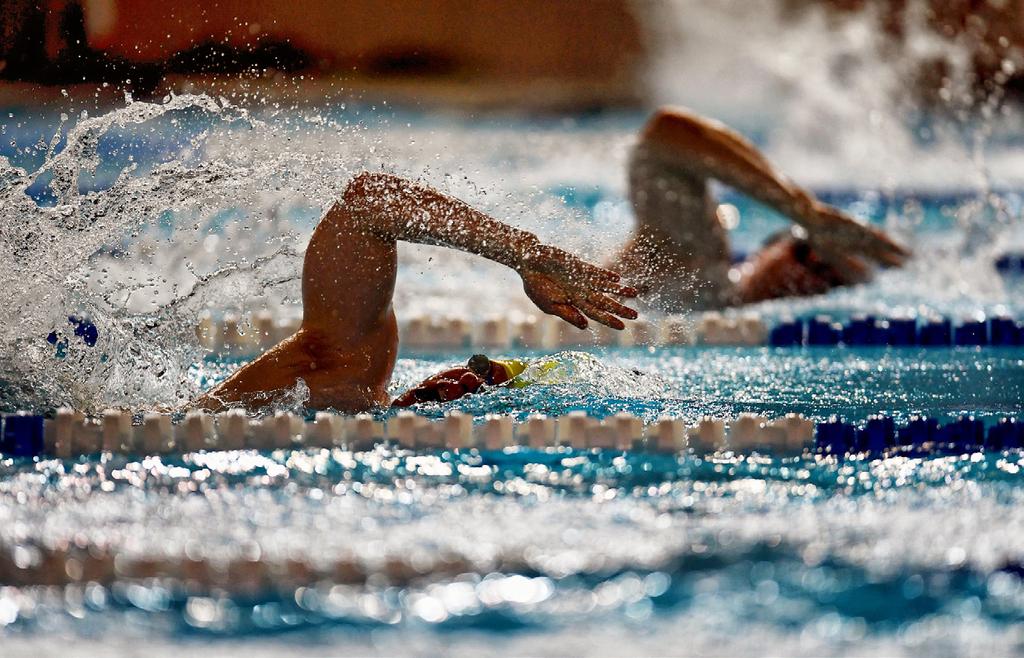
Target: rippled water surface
[144, 215]
[538, 549]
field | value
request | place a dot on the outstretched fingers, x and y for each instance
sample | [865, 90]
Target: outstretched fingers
[569, 287]
[606, 303]
[569, 313]
[619, 289]
[604, 317]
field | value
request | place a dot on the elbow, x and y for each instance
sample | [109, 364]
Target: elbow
[368, 190]
[367, 183]
[371, 197]
[361, 191]
[360, 186]
[673, 124]
[667, 118]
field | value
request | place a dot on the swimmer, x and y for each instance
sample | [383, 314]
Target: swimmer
[482, 374]
[479, 372]
[346, 346]
[679, 248]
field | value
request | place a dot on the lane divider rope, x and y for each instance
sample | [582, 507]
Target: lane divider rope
[238, 336]
[71, 561]
[70, 434]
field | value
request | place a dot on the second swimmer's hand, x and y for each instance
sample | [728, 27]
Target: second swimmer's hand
[832, 229]
[573, 289]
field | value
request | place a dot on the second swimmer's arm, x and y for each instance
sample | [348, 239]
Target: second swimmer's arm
[558, 282]
[715, 151]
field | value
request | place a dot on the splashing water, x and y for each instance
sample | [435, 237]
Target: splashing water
[122, 257]
[216, 220]
[216, 213]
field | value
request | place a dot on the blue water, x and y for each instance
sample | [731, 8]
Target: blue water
[561, 552]
[817, 382]
[692, 382]
[815, 555]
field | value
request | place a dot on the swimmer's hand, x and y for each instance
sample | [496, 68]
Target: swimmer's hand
[562, 284]
[830, 229]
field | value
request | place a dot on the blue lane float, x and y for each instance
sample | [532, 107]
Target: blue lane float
[1007, 434]
[1010, 264]
[866, 330]
[920, 436]
[787, 334]
[965, 434]
[918, 431]
[971, 332]
[870, 331]
[902, 332]
[1005, 332]
[822, 331]
[877, 435]
[936, 333]
[22, 436]
[834, 437]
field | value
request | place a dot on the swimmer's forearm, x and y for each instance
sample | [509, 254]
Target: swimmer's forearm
[403, 210]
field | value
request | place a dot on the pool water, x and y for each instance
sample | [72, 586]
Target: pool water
[811, 555]
[548, 552]
[818, 382]
[606, 553]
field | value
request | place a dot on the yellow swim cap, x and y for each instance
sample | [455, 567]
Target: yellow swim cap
[513, 367]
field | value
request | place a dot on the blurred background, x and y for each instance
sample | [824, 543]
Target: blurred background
[159, 143]
[533, 54]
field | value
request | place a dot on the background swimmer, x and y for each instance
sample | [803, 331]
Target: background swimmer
[679, 247]
[346, 347]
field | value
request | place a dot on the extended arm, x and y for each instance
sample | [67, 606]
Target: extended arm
[559, 283]
[346, 347]
[398, 209]
[711, 150]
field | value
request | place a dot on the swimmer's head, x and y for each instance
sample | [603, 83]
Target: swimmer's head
[480, 365]
[790, 266]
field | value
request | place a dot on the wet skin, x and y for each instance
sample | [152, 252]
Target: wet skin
[679, 251]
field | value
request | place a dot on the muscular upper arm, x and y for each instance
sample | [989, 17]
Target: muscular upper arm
[348, 275]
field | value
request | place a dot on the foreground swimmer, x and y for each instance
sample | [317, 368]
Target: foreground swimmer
[345, 349]
[679, 248]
